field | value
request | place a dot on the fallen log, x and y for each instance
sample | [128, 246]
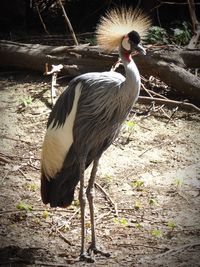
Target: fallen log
[167, 63]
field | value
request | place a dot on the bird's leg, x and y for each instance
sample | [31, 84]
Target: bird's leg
[82, 199]
[90, 196]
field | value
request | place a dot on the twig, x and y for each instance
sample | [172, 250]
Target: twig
[19, 211]
[158, 17]
[174, 3]
[168, 102]
[73, 215]
[172, 115]
[155, 109]
[63, 237]
[169, 117]
[176, 250]
[27, 178]
[152, 108]
[146, 90]
[4, 177]
[195, 24]
[154, 93]
[16, 156]
[54, 71]
[142, 245]
[34, 167]
[158, 145]
[183, 197]
[14, 139]
[41, 20]
[103, 216]
[53, 264]
[56, 228]
[107, 197]
[4, 160]
[193, 16]
[116, 65]
[68, 22]
[41, 113]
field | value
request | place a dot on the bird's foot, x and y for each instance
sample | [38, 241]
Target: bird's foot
[94, 250]
[86, 258]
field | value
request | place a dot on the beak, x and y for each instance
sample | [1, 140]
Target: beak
[139, 48]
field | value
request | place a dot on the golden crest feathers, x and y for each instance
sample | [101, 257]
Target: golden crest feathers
[118, 23]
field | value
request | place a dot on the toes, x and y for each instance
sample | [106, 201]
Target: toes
[105, 254]
[86, 258]
[96, 251]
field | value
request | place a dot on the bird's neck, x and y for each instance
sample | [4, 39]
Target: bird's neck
[133, 81]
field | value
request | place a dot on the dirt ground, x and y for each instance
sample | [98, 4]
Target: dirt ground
[149, 214]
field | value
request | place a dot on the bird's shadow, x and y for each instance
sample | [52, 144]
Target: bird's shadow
[17, 256]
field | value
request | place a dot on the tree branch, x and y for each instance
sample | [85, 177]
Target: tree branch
[68, 22]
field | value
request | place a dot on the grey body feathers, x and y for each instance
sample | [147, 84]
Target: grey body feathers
[103, 105]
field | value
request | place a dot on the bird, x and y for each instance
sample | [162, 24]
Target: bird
[87, 118]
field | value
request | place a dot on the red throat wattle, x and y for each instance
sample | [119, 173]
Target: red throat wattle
[128, 56]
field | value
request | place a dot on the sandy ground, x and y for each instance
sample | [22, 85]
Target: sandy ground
[151, 176]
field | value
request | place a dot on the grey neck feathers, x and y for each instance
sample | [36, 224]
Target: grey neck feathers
[133, 81]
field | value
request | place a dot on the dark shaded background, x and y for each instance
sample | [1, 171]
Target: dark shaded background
[20, 17]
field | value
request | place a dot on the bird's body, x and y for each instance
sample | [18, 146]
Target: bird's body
[83, 124]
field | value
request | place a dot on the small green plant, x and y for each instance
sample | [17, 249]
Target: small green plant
[178, 182]
[76, 203]
[108, 178]
[128, 128]
[13, 226]
[92, 40]
[45, 214]
[138, 183]
[122, 221]
[31, 187]
[25, 101]
[130, 125]
[137, 205]
[171, 225]
[138, 226]
[24, 206]
[157, 233]
[152, 201]
[157, 35]
[182, 34]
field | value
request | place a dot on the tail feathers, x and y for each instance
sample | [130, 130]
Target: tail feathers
[59, 191]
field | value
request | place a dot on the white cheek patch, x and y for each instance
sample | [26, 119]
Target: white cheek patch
[125, 44]
[57, 141]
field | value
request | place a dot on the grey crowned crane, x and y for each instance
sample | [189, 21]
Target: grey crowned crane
[87, 117]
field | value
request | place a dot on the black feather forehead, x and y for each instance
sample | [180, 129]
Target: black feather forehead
[118, 23]
[134, 37]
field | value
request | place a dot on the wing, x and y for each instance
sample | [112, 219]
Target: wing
[84, 98]
[71, 125]
[91, 82]
[99, 113]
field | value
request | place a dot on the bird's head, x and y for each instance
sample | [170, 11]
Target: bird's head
[123, 28]
[132, 42]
